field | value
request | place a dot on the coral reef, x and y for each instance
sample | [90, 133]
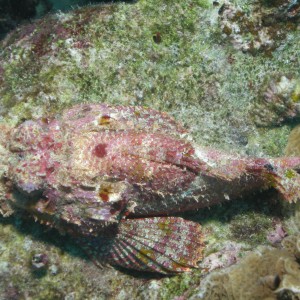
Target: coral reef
[277, 235]
[259, 30]
[172, 57]
[224, 258]
[279, 101]
[264, 274]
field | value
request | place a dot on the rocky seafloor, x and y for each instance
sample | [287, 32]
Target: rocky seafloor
[229, 71]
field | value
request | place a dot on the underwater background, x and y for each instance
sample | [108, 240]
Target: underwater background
[228, 70]
[14, 12]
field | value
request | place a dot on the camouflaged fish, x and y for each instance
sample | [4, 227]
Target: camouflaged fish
[111, 176]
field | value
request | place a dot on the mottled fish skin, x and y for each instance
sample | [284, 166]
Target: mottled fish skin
[92, 170]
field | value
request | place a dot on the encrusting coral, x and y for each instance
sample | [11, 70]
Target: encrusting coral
[267, 273]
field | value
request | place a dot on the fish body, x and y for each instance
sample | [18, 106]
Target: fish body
[112, 175]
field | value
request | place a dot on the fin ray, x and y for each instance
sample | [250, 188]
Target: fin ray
[158, 244]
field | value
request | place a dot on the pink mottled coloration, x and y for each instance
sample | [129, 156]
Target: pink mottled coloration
[277, 235]
[100, 150]
[111, 175]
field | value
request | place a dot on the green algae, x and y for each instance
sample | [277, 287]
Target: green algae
[290, 173]
[178, 285]
[271, 141]
[75, 275]
[296, 94]
[250, 228]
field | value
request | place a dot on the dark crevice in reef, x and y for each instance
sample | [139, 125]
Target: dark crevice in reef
[16, 12]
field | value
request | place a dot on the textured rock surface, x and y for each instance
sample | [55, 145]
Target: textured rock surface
[174, 57]
[264, 274]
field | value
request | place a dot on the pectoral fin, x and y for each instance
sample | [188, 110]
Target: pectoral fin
[160, 244]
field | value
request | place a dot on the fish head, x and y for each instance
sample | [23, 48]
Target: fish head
[82, 171]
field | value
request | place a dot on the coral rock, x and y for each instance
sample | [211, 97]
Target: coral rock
[264, 274]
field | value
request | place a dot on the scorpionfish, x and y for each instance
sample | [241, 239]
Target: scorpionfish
[113, 176]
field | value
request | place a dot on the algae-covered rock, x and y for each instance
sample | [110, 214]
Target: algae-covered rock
[258, 30]
[107, 54]
[293, 145]
[279, 101]
[176, 57]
